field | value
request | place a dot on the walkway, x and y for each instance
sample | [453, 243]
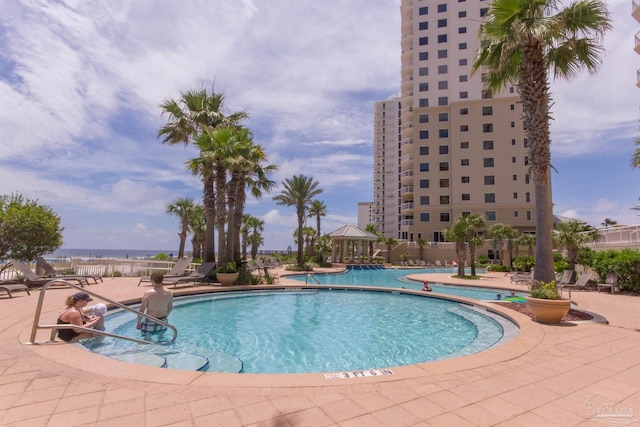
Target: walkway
[543, 377]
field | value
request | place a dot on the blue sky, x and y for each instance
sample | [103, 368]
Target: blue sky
[81, 81]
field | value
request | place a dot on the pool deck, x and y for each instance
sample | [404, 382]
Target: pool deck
[564, 375]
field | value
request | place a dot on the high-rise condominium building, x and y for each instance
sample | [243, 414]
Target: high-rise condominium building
[455, 148]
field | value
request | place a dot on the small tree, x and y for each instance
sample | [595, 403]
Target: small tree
[570, 235]
[27, 229]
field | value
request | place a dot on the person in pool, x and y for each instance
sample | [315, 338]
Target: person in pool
[156, 302]
[426, 287]
[77, 314]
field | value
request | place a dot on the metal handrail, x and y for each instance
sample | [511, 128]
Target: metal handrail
[315, 279]
[54, 328]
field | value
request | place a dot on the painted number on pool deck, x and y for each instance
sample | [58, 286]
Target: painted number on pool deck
[358, 374]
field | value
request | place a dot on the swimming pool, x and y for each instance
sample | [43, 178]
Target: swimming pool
[396, 278]
[310, 331]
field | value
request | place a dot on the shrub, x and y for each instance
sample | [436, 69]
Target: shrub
[498, 267]
[161, 257]
[117, 273]
[625, 262]
[524, 263]
[545, 290]
[483, 259]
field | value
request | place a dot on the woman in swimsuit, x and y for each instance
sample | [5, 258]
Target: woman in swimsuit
[75, 314]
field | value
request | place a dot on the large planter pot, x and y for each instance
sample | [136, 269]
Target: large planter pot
[548, 310]
[227, 279]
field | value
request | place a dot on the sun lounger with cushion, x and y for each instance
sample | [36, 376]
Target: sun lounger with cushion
[51, 271]
[31, 278]
[581, 283]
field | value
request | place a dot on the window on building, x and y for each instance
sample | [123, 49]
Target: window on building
[527, 197]
[423, 10]
[512, 107]
[487, 127]
[442, 53]
[526, 179]
[464, 144]
[490, 215]
[464, 162]
[443, 133]
[424, 167]
[513, 160]
[424, 216]
[442, 7]
[466, 197]
[516, 214]
[424, 183]
[445, 217]
[462, 30]
[462, 46]
[444, 200]
[444, 166]
[462, 62]
[464, 111]
[424, 118]
[464, 95]
[443, 117]
[462, 14]
[487, 111]
[487, 145]
[444, 183]
[465, 180]
[442, 23]
[424, 102]
[515, 177]
[489, 180]
[424, 200]
[443, 149]
[463, 78]
[513, 124]
[424, 134]
[443, 69]
[515, 196]
[488, 162]
[513, 142]
[526, 142]
[423, 41]
[528, 215]
[423, 71]
[423, 26]
[423, 56]
[484, 11]
[526, 160]
[443, 100]
[424, 151]
[442, 38]
[423, 87]
[443, 84]
[487, 94]
[464, 128]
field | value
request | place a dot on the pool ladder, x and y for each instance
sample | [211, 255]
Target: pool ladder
[306, 279]
[54, 328]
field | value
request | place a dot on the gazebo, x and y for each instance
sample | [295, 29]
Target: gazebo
[343, 236]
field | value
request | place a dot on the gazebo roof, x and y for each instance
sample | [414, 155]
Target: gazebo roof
[351, 232]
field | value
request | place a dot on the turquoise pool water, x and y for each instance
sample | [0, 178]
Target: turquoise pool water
[396, 278]
[313, 331]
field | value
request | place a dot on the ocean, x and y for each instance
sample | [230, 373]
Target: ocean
[108, 253]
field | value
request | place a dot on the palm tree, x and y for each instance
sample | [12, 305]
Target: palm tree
[372, 228]
[571, 235]
[635, 159]
[500, 233]
[390, 242]
[198, 229]
[194, 112]
[522, 41]
[182, 207]
[298, 191]
[317, 209]
[528, 240]
[421, 242]
[463, 232]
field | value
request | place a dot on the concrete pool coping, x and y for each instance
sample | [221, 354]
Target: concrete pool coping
[546, 382]
[78, 356]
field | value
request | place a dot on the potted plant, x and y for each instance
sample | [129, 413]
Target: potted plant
[227, 274]
[546, 303]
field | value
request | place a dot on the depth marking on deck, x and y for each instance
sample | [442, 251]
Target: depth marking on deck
[357, 374]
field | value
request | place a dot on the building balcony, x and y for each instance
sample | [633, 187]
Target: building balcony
[638, 78]
[408, 189]
[637, 39]
[406, 222]
[405, 207]
[635, 12]
[407, 141]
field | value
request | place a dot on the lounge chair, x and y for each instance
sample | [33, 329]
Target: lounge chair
[581, 283]
[566, 278]
[175, 272]
[12, 287]
[202, 272]
[438, 263]
[522, 277]
[31, 278]
[611, 282]
[50, 271]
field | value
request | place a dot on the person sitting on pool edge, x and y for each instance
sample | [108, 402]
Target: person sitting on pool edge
[76, 313]
[158, 303]
[426, 287]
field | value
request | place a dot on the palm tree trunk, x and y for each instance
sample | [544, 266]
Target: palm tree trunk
[183, 236]
[210, 219]
[300, 239]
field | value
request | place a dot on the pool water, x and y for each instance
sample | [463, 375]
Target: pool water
[396, 278]
[317, 331]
